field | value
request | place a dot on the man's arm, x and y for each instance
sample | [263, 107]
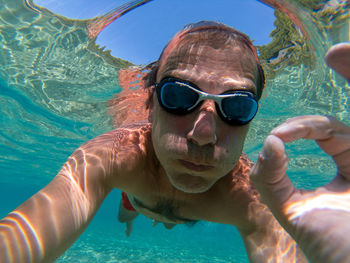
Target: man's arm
[43, 227]
[268, 241]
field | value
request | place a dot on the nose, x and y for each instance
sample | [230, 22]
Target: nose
[204, 127]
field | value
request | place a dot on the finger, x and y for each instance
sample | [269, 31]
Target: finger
[304, 127]
[338, 146]
[332, 135]
[269, 176]
[338, 58]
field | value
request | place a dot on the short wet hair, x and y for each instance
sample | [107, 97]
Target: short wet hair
[209, 28]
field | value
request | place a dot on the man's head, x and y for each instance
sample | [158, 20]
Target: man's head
[198, 147]
[195, 33]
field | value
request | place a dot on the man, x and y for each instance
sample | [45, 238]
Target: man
[319, 219]
[185, 165]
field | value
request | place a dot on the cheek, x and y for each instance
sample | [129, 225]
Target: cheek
[233, 139]
[167, 130]
[180, 125]
[165, 122]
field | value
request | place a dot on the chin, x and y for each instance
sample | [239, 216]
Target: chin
[190, 184]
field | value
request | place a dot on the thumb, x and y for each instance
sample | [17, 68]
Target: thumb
[269, 175]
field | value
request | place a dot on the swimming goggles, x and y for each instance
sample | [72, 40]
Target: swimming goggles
[181, 97]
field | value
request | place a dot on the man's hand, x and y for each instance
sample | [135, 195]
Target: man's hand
[318, 220]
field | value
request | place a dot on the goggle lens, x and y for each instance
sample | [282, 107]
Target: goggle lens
[239, 109]
[177, 98]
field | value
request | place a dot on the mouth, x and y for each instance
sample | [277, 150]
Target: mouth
[195, 167]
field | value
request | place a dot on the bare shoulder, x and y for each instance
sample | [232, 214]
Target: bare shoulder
[132, 144]
[125, 152]
[122, 142]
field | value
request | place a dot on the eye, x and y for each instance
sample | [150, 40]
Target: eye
[175, 95]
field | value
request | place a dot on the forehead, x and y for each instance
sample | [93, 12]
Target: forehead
[214, 61]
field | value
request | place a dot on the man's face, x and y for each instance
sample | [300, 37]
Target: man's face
[199, 148]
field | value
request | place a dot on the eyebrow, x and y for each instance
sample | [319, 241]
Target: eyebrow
[229, 86]
[166, 209]
[251, 87]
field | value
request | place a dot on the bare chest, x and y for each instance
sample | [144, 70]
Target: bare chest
[180, 208]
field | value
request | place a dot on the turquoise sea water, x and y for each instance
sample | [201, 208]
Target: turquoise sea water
[54, 88]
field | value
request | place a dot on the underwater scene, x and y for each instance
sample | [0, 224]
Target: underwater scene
[62, 66]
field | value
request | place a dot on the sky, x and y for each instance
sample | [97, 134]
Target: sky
[140, 35]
